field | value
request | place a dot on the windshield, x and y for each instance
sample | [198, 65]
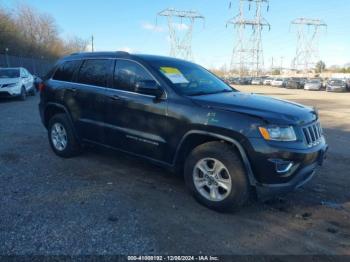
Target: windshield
[190, 79]
[314, 81]
[9, 73]
[336, 82]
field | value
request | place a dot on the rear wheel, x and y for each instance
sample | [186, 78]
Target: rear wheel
[61, 137]
[216, 177]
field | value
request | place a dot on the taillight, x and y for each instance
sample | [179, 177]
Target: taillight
[41, 87]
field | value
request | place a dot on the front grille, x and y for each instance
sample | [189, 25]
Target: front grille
[313, 134]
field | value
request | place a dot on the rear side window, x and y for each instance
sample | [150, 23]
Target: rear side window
[127, 74]
[95, 72]
[66, 71]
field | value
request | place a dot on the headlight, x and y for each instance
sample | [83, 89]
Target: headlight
[276, 133]
[11, 85]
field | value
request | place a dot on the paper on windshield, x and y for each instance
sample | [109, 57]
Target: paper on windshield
[174, 75]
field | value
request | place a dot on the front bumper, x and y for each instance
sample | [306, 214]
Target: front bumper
[312, 88]
[336, 89]
[10, 92]
[5, 94]
[270, 178]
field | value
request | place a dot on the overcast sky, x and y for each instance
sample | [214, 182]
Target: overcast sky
[131, 25]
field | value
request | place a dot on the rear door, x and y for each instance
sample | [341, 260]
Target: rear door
[30, 79]
[25, 79]
[135, 122]
[92, 80]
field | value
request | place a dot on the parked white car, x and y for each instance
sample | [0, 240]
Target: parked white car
[16, 82]
[267, 81]
[278, 82]
[257, 81]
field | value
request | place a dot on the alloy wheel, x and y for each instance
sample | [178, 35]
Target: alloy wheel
[212, 179]
[59, 136]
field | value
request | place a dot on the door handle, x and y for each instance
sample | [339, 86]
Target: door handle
[118, 98]
[72, 89]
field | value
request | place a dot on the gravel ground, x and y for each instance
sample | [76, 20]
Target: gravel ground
[104, 202]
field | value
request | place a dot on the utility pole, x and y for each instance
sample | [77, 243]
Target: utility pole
[181, 33]
[248, 51]
[7, 57]
[92, 43]
[272, 64]
[281, 68]
[308, 33]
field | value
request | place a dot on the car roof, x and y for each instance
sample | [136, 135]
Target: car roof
[11, 67]
[120, 54]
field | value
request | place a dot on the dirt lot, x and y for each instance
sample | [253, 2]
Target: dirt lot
[103, 202]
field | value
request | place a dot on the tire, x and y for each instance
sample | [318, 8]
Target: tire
[33, 91]
[23, 94]
[71, 147]
[229, 200]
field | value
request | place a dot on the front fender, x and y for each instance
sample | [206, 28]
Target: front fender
[235, 142]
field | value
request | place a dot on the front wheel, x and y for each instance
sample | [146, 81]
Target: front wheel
[215, 175]
[33, 91]
[23, 94]
[61, 136]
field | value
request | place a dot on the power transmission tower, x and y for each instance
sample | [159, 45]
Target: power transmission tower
[180, 25]
[248, 56]
[308, 33]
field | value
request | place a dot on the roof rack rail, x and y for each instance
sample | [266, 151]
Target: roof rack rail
[121, 53]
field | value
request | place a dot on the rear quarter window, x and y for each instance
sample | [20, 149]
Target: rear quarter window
[66, 70]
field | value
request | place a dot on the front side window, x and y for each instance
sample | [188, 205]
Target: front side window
[188, 78]
[9, 73]
[127, 74]
[66, 71]
[95, 72]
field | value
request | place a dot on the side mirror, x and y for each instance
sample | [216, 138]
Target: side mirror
[148, 87]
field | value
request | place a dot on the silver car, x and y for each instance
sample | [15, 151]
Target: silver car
[313, 84]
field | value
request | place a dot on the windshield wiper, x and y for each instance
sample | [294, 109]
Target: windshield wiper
[200, 93]
[221, 91]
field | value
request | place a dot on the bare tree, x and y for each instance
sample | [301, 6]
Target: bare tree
[75, 44]
[27, 32]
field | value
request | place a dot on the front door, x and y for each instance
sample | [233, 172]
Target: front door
[135, 122]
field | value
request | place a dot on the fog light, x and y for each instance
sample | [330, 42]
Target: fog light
[282, 167]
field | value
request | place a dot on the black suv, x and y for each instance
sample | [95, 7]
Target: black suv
[177, 114]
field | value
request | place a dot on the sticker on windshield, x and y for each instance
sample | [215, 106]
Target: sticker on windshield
[174, 75]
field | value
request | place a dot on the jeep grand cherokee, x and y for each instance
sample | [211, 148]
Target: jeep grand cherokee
[177, 114]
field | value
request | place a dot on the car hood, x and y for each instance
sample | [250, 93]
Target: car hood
[337, 85]
[272, 110]
[8, 80]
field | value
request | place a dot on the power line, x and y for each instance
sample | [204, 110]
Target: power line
[248, 56]
[180, 34]
[307, 52]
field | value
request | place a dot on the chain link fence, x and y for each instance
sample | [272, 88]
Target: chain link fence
[36, 66]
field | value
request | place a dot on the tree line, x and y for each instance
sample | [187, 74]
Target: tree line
[26, 32]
